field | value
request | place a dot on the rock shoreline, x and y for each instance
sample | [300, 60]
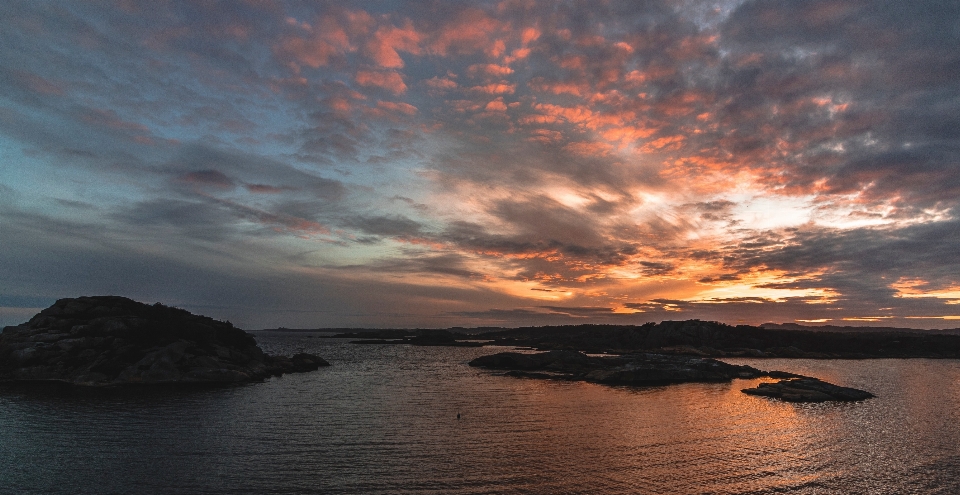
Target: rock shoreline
[100, 341]
[648, 369]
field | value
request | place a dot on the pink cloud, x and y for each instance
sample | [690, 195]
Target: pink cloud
[462, 106]
[388, 80]
[327, 40]
[399, 107]
[388, 40]
[440, 83]
[469, 32]
[529, 34]
[539, 119]
[545, 136]
[500, 88]
[489, 69]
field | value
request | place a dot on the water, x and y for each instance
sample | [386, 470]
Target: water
[382, 419]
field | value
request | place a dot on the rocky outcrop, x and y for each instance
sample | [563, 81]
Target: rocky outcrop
[808, 390]
[659, 369]
[111, 340]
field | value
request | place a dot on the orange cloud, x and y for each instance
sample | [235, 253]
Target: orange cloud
[582, 115]
[671, 143]
[559, 87]
[496, 106]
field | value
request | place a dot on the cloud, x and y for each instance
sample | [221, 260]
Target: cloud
[499, 160]
[386, 226]
[212, 178]
[391, 81]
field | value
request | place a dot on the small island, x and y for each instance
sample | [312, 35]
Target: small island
[110, 340]
[646, 369]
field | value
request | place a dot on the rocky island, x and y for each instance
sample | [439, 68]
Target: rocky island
[111, 340]
[644, 369]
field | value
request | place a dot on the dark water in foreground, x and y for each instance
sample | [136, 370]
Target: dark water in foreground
[382, 419]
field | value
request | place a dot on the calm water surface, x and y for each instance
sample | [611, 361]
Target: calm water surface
[382, 419]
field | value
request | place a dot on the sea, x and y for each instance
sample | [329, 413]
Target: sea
[383, 419]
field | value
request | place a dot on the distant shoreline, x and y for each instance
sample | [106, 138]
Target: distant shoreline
[689, 337]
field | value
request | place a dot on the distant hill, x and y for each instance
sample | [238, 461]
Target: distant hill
[708, 338]
[847, 328]
[705, 338]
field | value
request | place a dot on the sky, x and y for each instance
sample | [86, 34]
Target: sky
[512, 163]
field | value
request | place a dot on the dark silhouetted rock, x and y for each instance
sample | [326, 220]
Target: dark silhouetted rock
[713, 339]
[808, 390]
[631, 369]
[111, 340]
[659, 369]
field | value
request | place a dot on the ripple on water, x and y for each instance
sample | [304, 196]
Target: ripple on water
[382, 419]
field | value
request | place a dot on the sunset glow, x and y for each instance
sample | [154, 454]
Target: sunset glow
[484, 163]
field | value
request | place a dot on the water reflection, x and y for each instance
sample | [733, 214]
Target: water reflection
[382, 419]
